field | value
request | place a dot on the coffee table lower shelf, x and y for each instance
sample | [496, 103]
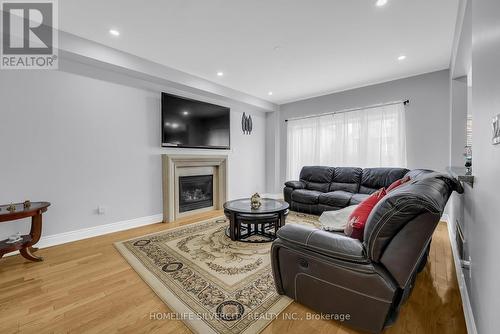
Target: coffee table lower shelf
[257, 234]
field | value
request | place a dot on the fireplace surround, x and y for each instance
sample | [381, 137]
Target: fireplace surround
[202, 179]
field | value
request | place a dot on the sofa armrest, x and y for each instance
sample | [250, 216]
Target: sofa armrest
[336, 245]
[295, 184]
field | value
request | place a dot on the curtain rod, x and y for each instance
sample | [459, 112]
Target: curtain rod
[405, 102]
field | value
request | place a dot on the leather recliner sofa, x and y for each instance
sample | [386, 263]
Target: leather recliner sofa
[364, 281]
[331, 188]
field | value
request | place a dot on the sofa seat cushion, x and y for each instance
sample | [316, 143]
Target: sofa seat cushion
[338, 198]
[358, 198]
[312, 209]
[306, 196]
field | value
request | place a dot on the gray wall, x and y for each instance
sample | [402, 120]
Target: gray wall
[461, 58]
[273, 151]
[484, 233]
[461, 209]
[461, 63]
[81, 141]
[427, 116]
[458, 121]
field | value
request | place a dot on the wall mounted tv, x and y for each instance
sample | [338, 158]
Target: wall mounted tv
[194, 124]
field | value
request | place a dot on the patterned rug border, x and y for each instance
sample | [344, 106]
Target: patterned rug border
[173, 302]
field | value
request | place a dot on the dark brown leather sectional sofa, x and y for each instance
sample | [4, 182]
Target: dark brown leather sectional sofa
[331, 188]
[366, 281]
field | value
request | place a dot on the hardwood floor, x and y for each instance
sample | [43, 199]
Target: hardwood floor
[87, 286]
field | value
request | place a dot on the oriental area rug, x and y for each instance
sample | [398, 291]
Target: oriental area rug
[224, 286]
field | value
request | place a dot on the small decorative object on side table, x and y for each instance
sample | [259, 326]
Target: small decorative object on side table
[24, 243]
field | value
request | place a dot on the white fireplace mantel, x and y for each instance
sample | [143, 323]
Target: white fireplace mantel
[177, 165]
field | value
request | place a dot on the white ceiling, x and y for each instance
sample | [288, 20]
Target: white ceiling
[323, 45]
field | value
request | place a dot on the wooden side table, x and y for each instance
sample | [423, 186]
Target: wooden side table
[25, 245]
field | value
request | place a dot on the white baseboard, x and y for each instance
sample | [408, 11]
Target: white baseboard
[62, 238]
[469, 316]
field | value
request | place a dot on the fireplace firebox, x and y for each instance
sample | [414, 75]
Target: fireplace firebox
[195, 192]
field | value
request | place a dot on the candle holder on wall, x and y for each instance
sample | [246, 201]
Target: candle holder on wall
[246, 124]
[496, 130]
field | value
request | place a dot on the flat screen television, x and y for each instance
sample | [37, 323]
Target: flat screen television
[194, 124]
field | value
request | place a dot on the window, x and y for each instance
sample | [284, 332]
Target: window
[371, 137]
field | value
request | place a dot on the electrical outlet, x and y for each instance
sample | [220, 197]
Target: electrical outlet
[101, 210]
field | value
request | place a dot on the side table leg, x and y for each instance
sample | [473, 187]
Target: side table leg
[35, 233]
[36, 229]
[26, 253]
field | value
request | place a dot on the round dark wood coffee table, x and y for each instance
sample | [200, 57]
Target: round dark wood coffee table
[264, 222]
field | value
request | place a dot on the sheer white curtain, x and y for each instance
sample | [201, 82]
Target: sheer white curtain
[371, 137]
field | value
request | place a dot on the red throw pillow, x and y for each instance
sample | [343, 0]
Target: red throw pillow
[397, 183]
[355, 227]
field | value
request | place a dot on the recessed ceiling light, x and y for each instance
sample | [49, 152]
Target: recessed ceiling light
[381, 3]
[220, 74]
[270, 93]
[185, 113]
[175, 125]
[402, 57]
[114, 32]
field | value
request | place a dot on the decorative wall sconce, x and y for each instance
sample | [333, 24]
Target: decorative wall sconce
[246, 124]
[496, 130]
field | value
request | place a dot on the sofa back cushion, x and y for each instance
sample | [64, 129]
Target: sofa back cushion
[405, 203]
[346, 179]
[398, 183]
[418, 173]
[317, 177]
[373, 179]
